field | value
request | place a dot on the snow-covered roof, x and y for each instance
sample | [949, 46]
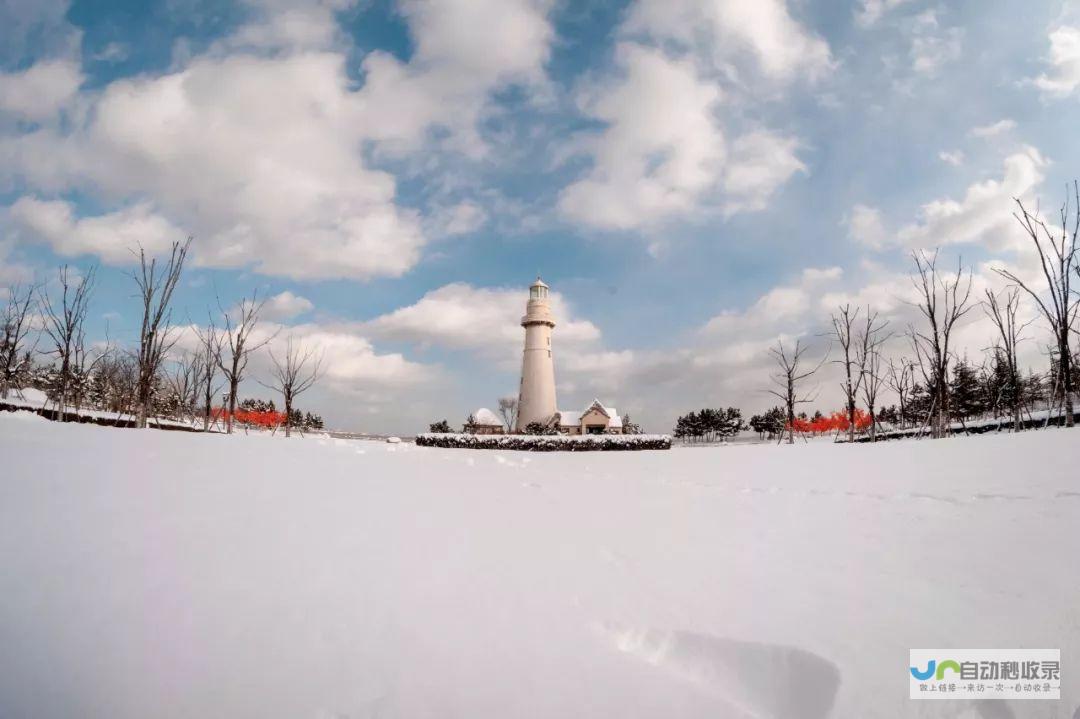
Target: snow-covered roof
[484, 417]
[609, 412]
[573, 419]
[568, 419]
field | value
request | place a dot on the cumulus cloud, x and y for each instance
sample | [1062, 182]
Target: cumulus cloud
[465, 50]
[869, 12]
[460, 316]
[733, 31]
[776, 308]
[951, 157]
[933, 46]
[357, 381]
[258, 157]
[994, 129]
[1063, 76]
[13, 270]
[984, 214]
[865, 227]
[277, 24]
[38, 28]
[650, 162]
[285, 306]
[458, 219]
[257, 146]
[350, 361]
[112, 236]
[40, 91]
[760, 162]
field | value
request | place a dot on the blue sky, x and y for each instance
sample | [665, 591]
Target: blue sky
[694, 178]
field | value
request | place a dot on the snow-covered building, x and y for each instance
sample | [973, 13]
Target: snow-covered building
[484, 421]
[595, 419]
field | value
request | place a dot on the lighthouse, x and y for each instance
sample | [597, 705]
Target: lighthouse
[536, 398]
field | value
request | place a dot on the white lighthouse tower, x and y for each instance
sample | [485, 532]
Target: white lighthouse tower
[536, 400]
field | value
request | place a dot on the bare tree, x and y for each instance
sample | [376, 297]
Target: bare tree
[858, 345]
[868, 357]
[1058, 260]
[294, 373]
[236, 337]
[792, 372]
[209, 353]
[872, 384]
[901, 379]
[17, 323]
[184, 381]
[1003, 315]
[63, 325]
[943, 300]
[844, 334]
[156, 336]
[508, 409]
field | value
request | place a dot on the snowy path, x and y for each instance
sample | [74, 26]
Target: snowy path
[173, 575]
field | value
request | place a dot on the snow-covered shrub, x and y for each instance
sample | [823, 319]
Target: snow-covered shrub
[547, 443]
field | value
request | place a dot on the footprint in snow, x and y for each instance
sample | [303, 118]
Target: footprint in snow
[750, 678]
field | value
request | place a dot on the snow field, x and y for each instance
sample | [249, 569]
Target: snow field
[150, 573]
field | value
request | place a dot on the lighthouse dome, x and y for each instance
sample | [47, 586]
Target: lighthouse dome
[538, 290]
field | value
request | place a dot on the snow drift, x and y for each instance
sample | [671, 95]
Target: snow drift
[171, 575]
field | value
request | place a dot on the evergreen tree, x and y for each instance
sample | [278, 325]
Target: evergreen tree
[965, 396]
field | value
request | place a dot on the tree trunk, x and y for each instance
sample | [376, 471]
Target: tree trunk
[232, 406]
[1066, 376]
[288, 414]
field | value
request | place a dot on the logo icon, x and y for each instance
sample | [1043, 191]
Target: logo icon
[984, 673]
[930, 667]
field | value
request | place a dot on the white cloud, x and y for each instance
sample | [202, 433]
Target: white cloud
[359, 386]
[951, 157]
[984, 215]
[285, 306]
[775, 309]
[870, 11]
[112, 236]
[38, 28]
[1063, 77]
[866, 228]
[287, 24]
[732, 30]
[257, 146]
[465, 49]
[485, 320]
[39, 92]
[112, 52]
[12, 270]
[649, 162]
[459, 219]
[994, 129]
[350, 361]
[933, 46]
[258, 157]
[760, 162]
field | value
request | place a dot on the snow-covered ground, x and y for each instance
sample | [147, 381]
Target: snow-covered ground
[161, 574]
